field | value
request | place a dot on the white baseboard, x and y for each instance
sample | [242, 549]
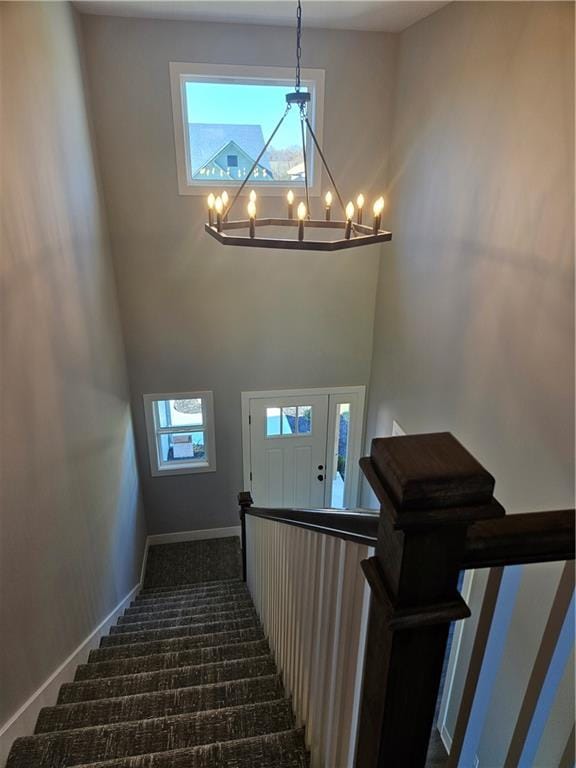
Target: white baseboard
[207, 533]
[23, 722]
[446, 738]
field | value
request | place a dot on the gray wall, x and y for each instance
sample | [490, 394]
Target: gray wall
[200, 316]
[72, 530]
[474, 328]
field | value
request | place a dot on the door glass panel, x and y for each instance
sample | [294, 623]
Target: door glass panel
[304, 419]
[181, 447]
[289, 420]
[340, 454]
[273, 422]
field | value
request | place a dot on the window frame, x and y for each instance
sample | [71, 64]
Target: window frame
[153, 430]
[180, 72]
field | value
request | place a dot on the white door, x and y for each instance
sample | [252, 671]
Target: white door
[288, 439]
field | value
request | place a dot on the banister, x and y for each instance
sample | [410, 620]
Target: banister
[533, 537]
[360, 526]
[438, 515]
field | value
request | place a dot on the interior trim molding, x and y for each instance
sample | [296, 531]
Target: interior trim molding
[176, 536]
[23, 721]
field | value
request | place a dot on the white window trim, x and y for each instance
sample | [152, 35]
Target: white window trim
[209, 464]
[179, 71]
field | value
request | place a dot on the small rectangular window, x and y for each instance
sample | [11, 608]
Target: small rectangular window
[180, 432]
[289, 420]
[223, 117]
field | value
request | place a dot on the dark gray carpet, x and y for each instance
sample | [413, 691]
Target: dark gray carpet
[184, 680]
[191, 562]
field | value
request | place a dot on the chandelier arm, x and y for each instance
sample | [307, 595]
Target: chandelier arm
[251, 171]
[302, 119]
[317, 145]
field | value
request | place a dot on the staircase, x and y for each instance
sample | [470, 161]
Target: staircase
[184, 680]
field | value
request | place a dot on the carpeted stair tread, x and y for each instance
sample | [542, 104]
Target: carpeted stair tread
[175, 701]
[274, 750]
[129, 638]
[180, 597]
[85, 745]
[185, 679]
[154, 662]
[204, 606]
[182, 677]
[182, 621]
[193, 561]
[237, 587]
[190, 585]
[175, 644]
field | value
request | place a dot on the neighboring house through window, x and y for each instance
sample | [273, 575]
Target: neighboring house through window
[223, 117]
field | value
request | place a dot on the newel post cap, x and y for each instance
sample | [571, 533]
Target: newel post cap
[432, 477]
[245, 499]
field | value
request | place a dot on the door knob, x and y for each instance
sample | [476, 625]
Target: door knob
[320, 477]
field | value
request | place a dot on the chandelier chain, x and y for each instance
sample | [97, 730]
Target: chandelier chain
[298, 43]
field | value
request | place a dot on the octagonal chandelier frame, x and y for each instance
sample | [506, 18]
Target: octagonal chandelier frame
[350, 232]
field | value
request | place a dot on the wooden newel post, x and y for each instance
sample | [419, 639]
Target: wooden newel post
[245, 501]
[430, 490]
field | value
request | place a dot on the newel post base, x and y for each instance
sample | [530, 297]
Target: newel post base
[245, 501]
[430, 490]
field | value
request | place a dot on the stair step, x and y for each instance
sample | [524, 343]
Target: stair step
[154, 662]
[203, 606]
[161, 680]
[85, 745]
[200, 594]
[175, 701]
[176, 644]
[190, 586]
[182, 621]
[148, 635]
[274, 750]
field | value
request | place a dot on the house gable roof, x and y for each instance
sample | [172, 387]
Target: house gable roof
[219, 159]
[208, 139]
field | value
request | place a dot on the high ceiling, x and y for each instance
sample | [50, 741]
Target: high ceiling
[365, 15]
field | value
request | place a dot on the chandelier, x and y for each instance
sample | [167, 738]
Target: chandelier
[348, 232]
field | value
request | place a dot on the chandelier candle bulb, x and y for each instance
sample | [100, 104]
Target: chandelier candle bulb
[378, 207]
[211, 200]
[301, 217]
[359, 206]
[252, 196]
[252, 215]
[218, 206]
[225, 200]
[349, 217]
[290, 198]
[328, 201]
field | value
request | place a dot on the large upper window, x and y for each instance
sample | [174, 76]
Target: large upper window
[223, 117]
[180, 432]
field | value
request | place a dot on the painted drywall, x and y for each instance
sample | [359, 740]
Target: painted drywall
[474, 325]
[197, 315]
[72, 527]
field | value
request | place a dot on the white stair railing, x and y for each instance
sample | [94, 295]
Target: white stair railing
[313, 601]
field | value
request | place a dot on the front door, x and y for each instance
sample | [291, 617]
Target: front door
[288, 439]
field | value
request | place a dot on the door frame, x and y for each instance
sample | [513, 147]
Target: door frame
[355, 437]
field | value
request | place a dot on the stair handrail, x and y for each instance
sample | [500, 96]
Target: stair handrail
[438, 515]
